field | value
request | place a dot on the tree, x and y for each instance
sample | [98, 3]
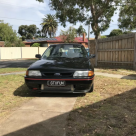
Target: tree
[69, 35]
[49, 25]
[81, 30]
[19, 43]
[7, 34]
[36, 45]
[127, 15]
[115, 32]
[78, 10]
[27, 32]
[127, 32]
[29, 36]
[103, 36]
[23, 31]
[40, 0]
[38, 33]
[32, 29]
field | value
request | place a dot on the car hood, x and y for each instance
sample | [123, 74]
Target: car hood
[61, 63]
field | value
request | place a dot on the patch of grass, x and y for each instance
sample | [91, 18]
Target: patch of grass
[8, 100]
[10, 70]
[109, 111]
[117, 71]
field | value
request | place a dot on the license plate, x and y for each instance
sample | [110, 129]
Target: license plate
[56, 83]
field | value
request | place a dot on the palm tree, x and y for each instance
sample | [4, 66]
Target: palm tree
[49, 25]
[81, 30]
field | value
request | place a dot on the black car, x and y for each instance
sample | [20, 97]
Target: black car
[62, 68]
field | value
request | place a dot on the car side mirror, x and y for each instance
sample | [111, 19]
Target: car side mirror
[38, 56]
[92, 56]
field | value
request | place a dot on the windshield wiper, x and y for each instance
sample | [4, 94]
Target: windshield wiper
[77, 57]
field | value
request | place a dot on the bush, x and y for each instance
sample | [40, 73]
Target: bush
[115, 32]
[19, 43]
[36, 45]
[127, 32]
[103, 36]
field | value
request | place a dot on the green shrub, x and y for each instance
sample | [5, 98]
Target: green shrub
[115, 32]
[103, 36]
[36, 45]
[19, 43]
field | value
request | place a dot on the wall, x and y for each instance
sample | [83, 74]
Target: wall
[85, 45]
[27, 44]
[116, 51]
[10, 52]
[20, 52]
[2, 43]
[29, 52]
[42, 50]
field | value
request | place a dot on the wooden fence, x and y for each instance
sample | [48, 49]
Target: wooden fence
[116, 51]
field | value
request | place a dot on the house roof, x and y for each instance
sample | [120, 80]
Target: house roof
[77, 39]
[40, 40]
[56, 39]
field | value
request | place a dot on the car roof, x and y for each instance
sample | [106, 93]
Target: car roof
[67, 44]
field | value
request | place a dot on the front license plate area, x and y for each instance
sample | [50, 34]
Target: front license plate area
[56, 83]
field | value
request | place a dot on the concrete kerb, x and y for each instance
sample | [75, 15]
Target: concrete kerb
[15, 73]
[96, 73]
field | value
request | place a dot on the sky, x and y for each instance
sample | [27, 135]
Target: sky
[27, 12]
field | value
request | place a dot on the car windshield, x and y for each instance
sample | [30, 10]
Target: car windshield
[67, 51]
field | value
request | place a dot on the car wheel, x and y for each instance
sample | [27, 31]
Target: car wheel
[91, 90]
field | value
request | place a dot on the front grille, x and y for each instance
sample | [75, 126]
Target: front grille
[48, 74]
[57, 74]
[66, 74]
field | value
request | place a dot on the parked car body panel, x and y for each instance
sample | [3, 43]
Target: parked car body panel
[61, 69]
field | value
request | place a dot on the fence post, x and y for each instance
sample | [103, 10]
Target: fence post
[96, 52]
[21, 52]
[134, 64]
[38, 50]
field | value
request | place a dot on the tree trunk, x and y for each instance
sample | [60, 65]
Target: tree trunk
[97, 36]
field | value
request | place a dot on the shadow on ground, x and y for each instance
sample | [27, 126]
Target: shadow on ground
[115, 116]
[130, 77]
[23, 91]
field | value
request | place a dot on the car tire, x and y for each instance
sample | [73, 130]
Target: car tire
[91, 90]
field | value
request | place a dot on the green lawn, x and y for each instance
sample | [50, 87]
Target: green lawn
[10, 70]
[13, 92]
[117, 71]
[109, 111]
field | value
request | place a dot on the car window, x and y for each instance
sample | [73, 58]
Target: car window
[68, 51]
[47, 52]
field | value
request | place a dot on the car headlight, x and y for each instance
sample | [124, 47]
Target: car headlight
[83, 74]
[33, 73]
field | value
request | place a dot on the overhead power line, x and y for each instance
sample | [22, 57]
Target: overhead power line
[21, 19]
[111, 25]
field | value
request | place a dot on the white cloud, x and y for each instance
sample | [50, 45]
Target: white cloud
[114, 23]
[32, 12]
[26, 12]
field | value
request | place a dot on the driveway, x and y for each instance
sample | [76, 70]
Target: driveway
[42, 116]
[16, 63]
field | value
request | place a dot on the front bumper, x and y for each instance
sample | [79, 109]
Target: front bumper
[72, 85]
